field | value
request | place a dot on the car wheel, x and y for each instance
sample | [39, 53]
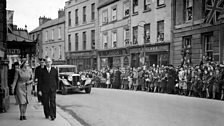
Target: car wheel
[64, 90]
[88, 89]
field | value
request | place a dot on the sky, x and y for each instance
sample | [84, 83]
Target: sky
[27, 12]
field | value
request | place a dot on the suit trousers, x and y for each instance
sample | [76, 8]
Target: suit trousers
[49, 103]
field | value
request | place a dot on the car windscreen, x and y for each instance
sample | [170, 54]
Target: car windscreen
[62, 70]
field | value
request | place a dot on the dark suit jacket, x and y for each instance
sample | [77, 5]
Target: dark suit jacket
[37, 76]
[48, 81]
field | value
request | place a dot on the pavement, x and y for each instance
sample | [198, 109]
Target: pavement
[35, 116]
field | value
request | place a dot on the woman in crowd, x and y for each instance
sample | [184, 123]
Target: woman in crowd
[23, 78]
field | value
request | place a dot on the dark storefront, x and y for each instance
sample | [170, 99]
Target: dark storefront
[114, 58]
[84, 60]
[157, 54]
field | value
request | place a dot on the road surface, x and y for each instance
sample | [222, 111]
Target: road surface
[111, 107]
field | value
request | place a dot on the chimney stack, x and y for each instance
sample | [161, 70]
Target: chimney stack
[43, 20]
[61, 13]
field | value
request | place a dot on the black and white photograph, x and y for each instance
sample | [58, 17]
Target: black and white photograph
[111, 62]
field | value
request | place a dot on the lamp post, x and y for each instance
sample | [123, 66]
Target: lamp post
[145, 38]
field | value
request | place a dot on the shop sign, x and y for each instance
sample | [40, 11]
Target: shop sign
[151, 49]
[119, 52]
[81, 54]
[13, 51]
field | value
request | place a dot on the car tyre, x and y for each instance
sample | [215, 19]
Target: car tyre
[88, 89]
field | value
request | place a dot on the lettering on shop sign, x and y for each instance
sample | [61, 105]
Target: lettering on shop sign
[83, 54]
[151, 49]
[13, 51]
[113, 52]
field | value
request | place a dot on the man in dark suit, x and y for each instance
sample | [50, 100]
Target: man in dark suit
[48, 84]
[37, 76]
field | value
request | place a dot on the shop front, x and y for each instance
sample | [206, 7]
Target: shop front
[84, 60]
[114, 58]
[157, 54]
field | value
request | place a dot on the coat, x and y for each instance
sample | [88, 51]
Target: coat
[49, 81]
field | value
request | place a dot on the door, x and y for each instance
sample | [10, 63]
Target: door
[153, 58]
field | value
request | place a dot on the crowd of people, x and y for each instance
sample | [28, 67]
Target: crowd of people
[204, 80]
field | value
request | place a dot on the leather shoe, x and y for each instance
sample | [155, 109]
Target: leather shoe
[52, 118]
[47, 117]
[24, 117]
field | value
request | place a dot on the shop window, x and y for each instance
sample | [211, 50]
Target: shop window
[126, 9]
[147, 5]
[126, 36]
[76, 16]
[135, 6]
[208, 46]
[114, 13]
[147, 33]
[135, 35]
[105, 17]
[188, 10]
[76, 41]
[160, 31]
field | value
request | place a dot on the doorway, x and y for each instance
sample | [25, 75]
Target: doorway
[153, 58]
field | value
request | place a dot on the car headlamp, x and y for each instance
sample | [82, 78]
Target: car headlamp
[70, 78]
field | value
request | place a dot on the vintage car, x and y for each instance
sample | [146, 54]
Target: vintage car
[69, 80]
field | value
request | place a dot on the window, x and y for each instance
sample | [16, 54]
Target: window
[46, 51]
[208, 46]
[160, 31]
[147, 33]
[76, 41]
[52, 34]
[93, 39]
[188, 10]
[126, 36]
[105, 42]
[84, 40]
[126, 9]
[114, 14]
[105, 17]
[76, 17]
[114, 39]
[69, 18]
[135, 6]
[59, 33]
[93, 11]
[147, 4]
[52, 52]
[187, 42]
[160, 2]
[69, 43]
[46, 36]
[84, 14]
[135, 35]
[60, 56]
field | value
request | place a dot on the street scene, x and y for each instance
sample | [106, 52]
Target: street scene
[112, 62]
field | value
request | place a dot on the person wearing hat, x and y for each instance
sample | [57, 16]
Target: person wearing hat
[37, 76]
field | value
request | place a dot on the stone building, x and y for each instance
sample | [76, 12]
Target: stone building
[80, 32]
[50, 38]
[114, 33]
[151, 24]
[198, 31]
